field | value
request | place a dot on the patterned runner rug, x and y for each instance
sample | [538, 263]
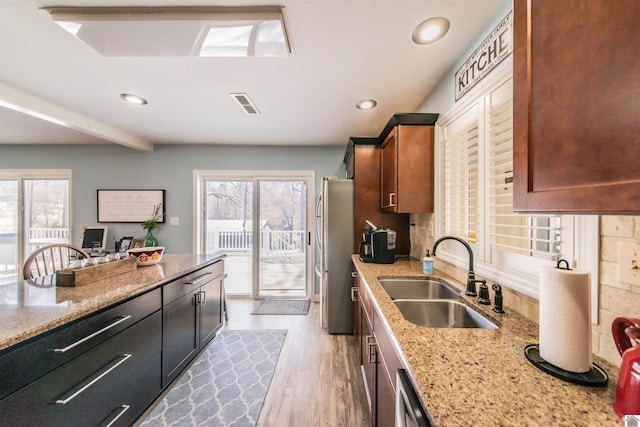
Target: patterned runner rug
[226, 385]
[282, 306]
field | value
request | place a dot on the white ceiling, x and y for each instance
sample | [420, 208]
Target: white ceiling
[344, 51]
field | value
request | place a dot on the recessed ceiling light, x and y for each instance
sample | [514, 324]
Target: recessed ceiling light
[366, 104]
[134, 99]
[431, 30]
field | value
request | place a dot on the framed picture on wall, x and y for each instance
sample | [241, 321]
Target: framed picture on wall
[131, 205]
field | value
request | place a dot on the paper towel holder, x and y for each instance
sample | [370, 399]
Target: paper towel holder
[594, 377]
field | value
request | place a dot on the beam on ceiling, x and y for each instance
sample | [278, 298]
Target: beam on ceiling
[34, 106]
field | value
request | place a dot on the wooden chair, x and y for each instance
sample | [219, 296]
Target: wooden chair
[51, 258]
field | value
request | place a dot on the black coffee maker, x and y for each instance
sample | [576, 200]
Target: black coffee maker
[378, 245]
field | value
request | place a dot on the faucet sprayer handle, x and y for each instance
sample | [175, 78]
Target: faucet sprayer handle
[497, 299]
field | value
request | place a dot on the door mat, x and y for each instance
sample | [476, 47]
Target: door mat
[282, 306]
[226, 385]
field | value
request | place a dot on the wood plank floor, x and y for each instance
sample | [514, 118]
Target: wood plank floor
[317, 381]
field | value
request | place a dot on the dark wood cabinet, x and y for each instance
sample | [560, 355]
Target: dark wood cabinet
[111, 377]
[108, 367]
[192, 314]
[368, 353]
[379, 360]
[407, 163]
[576, 92]
[364, 154]
[388, 362]
[210, 316]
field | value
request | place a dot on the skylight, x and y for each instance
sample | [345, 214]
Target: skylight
[215, 31]
[259, 39]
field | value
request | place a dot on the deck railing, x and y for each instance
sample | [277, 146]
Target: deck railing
[272, 242]
[55, 235]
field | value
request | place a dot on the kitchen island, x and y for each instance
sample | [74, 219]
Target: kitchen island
[29, 308]
[481, 376]
[101, 353]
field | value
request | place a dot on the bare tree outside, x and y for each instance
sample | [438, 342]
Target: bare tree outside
[280, 242]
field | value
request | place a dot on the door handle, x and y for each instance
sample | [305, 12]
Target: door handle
[200, 298]
[371, 349]
[353, 294]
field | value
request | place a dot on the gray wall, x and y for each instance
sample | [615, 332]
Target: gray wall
[442, 98]
[168, 167]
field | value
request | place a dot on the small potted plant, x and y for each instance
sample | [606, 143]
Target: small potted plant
[151, 224]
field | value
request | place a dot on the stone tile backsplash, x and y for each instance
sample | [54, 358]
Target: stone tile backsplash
[616, 298]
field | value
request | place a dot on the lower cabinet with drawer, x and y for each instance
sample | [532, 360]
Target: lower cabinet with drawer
[107, 368]
[379, 359]
[192, 314]
[112, 383]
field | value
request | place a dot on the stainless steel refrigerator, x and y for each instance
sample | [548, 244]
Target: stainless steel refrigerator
[335, 240]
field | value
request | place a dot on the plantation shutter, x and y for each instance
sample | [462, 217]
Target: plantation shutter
[532, 235]
[460, 195]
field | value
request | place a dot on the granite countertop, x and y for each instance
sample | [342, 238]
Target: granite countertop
[27, 310]
[481, 376]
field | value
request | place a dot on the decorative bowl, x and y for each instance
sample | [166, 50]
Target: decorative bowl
[147, 256]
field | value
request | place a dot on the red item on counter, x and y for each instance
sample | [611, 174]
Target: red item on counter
[626, 333]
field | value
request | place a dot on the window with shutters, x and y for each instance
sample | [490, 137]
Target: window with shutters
[474, 193]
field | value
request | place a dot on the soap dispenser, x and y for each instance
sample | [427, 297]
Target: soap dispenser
[427, 263]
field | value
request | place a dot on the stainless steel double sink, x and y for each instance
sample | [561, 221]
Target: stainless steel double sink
[433, 303]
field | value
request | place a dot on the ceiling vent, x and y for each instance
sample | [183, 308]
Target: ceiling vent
[245, 103]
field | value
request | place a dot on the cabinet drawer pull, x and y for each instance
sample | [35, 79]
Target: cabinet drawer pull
[121, 411]
[371, 348]
[199, 279]
[353, 294]
[63, 400]
[354, 274]
[88, 337]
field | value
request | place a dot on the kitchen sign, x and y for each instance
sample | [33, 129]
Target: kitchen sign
[497, 46]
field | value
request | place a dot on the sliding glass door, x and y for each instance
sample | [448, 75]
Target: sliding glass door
[259, 220]
[9, 231]
[283, 238]
[34, 212]
[228, 228]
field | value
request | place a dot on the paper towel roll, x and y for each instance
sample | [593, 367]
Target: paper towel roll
[565, 318]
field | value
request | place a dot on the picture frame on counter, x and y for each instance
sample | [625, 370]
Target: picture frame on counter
[138, 243]
[124, 244]
[133, 206]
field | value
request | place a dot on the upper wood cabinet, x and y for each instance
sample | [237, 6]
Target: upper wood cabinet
[363, 154]
[576, 106]
[407, 169]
